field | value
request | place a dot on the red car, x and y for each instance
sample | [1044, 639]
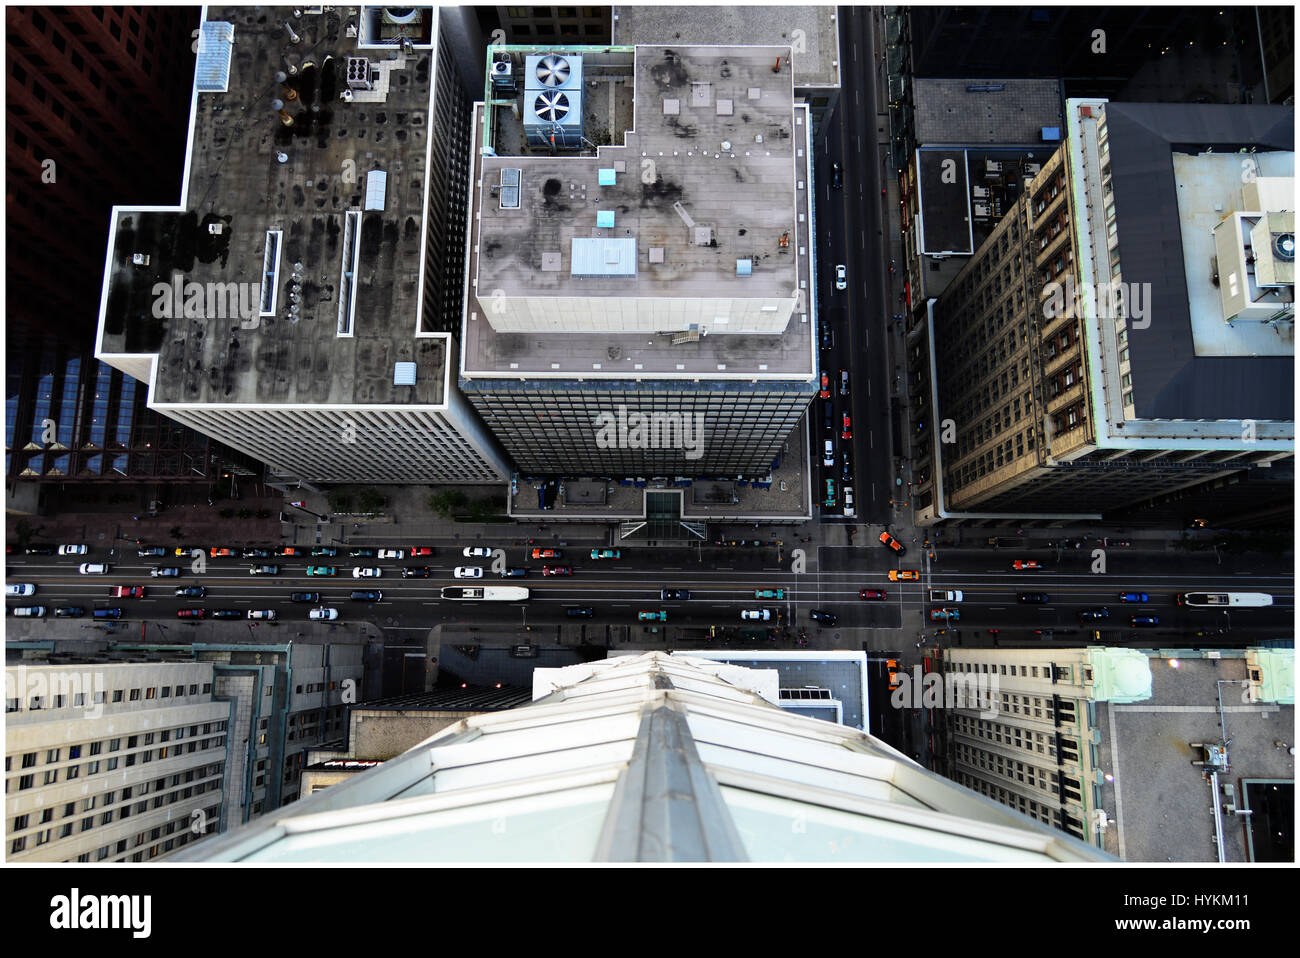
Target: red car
[216, 552]
[871, 594]
[557, 570]
[191, 613]
[293, 551]
[127, 592]
[1021, 564]
[848, 428]
[826, 387]
[890, 542]
[546, 554]
[420, 551]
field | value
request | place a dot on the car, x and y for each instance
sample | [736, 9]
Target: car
[760, 615]
[191, 613]
[94, 568]
[828, 335]
[580, 612]
[828, 455]
[275, 570]
[557, 570]
[892, 670]
[328, 552]
[1089, 615]
[846, 469]
[546, 554]
[946, 595]
[392, 554]
[261, 613]
[20, 588]
[658, 616]
[361, 553]
[825, 618]
[472, 552]
[829, 501]
[606, 554]
[151, 552]
[69, 612]
[257, 553]
[186, 550]
[468, 572]
[107, 614]
[127, 592]
[517, 573]
[417, 551]
[216, 552]
[192, 591]
[73, 550]
[226, 614]
[841, 277]
[828, 418]
[837, 178]
[945, 615]
[1144, 620]
[315, 570]
[1032, 598]
[844, 382]
[33, 611]
[890, 542]
[1021, 565]
[847, 431]
[326, 615]
[367, 595]
[872, 594]
[769, 593]
[849, 510]
[1134, 597]
[674, 594]
[363, 572]
[304, 596]
[904, 575]
[165, 571]
[288, 551]
[39, 550]
[415, 572]
[825, 392]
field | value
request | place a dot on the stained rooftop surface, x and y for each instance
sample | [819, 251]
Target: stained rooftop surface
[986, 112]
[238, 190]
[749, 201]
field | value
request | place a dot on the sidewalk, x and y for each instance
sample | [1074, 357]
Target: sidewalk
[172, 631]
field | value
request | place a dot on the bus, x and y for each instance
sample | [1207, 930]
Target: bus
[488, 593]
[1225, 600]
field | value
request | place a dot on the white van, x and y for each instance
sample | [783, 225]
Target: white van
[261, 613]
[93, 568]
[20, 588]
[944, 595]
[828, 457]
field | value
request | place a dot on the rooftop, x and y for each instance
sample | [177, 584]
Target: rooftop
[965, 112]
[291, 272]
[812, 32]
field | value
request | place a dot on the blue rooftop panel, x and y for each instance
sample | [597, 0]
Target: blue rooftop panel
[605, 177]
[605, 219]
[216, 42]
[597, 256]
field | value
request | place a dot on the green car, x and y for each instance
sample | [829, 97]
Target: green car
[604, 553]
[321, 570]
[830, 493]
[769, 594]
[660, 616]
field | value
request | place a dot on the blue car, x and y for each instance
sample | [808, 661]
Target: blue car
[1145, 620]
[1134, 597]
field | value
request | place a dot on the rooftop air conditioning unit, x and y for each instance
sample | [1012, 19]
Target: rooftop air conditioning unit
[552, 104]
[358, 72]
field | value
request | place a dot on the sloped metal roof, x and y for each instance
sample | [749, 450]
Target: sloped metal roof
[216, 43]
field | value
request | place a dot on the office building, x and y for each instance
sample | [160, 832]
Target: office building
[640, 298]
[647, 758]
[548, 25]
[1175, 755]
[112, 761]
[299, 303]
[1055, 377]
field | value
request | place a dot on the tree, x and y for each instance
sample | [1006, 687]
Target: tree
[447, 502]
[370, 499]
[481, 509]
[340, 500]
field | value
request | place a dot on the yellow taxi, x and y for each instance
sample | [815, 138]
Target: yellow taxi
[904, 575]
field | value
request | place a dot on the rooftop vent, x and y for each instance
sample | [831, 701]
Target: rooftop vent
[359, 73]
[744, 267]
[404, 374]
[510, 180]
[376, 189]
[605, 219]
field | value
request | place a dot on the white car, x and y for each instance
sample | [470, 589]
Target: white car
[468, 572]
[361, 573]
[762, 615]
[93, 568]
[848, 502]
[392, 553]
[327, 615]
[73, 550]
[476, 552]
[261, 613]
[841, 277]
[34, 611]
[828, 457]
[20, 588]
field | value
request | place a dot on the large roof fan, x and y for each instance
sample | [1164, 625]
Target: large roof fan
[551, 106]
[553, 70]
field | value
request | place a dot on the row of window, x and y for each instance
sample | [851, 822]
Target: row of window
[99, 697]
